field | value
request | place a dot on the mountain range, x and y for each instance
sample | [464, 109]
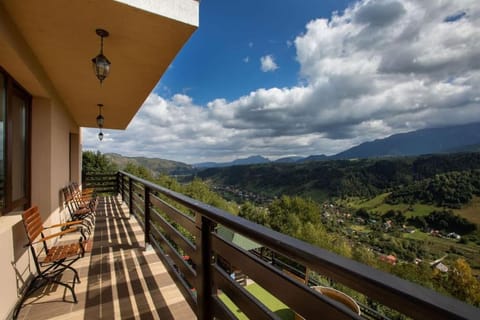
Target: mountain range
[453, 139]
[461, 138]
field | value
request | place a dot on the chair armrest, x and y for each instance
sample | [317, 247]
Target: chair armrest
[65, 224]
[55, 235]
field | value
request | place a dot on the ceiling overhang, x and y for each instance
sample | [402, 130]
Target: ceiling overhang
[145, 37]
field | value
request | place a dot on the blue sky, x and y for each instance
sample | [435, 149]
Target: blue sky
[284, 78]
[233, 36]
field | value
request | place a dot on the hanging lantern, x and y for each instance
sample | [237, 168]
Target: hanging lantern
[100, 63]
[100, 118]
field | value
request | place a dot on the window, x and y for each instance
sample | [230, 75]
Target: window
[14, 143]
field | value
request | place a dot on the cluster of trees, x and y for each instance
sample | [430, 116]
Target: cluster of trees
[196, 189]
[444, 220]
[299, 218]
[451, 189]
[458, 282]
[96, 162]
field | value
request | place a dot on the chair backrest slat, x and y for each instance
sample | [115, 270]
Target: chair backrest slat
[33, 223]
[67, 194]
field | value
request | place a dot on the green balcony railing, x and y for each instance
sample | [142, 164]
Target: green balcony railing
[177, 226]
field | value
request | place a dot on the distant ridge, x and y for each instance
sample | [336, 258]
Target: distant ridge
[425, 141]
[237, 162]
[320, 157]
[469, 148]
[154, 164]
[289, 159]
[461, 138]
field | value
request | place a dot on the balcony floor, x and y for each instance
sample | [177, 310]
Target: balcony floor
[119, 279]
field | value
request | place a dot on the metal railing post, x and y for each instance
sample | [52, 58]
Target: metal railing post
[117, 185]
[122, 186]
[84, 177]
[204, 273]
[130, 195]
[147, 217]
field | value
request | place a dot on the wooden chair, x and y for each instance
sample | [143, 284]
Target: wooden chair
[52, 261]
[87, 195]
[83, 200]
[78, 212]
[85, 191]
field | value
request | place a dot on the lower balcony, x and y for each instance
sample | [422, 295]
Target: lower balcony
[160, 254]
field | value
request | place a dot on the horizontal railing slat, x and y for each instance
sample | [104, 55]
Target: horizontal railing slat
[101, 182]
[221, 311]
[286, 289]
[174, 214]
[173, 234]
[181, 264]
[188, 293]
[249, 305]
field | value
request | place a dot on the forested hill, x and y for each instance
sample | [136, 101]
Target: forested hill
[156, 165]
[336, 178]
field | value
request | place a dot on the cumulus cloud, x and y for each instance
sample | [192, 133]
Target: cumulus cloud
[267, 63]
[378, 68]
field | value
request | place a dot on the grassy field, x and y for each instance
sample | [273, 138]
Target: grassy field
[360, 228]
[379, 206]
[265, 297]
[471, 212]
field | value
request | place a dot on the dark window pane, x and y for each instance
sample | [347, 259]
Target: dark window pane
[19, 147]
[2, 140]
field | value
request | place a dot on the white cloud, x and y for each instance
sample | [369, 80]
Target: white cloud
[379, 68]
[267, 63]
[246, 59]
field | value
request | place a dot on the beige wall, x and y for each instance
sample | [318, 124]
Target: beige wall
[60, 156]
[41, 147]
[15, 267]
[52, 163]
[55, 159]
[75, 157]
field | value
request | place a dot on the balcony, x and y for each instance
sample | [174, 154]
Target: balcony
[119, 278]
[138, 266]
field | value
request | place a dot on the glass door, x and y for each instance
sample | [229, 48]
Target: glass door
[15, 107]
[18, 143]
[3, 99]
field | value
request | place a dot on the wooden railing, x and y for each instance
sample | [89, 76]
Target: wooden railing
[104, 183]
[177, 226]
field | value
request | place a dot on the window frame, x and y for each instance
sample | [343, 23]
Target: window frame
[12, 87]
